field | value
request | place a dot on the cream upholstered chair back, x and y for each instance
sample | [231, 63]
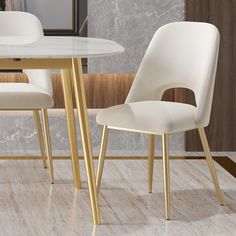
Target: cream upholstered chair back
[24, 28]
[182, 54]
[19, 28]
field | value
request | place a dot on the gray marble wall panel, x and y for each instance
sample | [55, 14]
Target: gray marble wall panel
[132, 23]
[19, 137]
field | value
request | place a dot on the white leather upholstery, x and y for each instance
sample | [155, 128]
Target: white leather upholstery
[182, 54]
[150, 116]
[19, 28]
[24, 96]
[40, 78]
[24, 28]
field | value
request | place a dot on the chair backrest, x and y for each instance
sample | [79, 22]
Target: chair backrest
[181, 54]
[17, 28]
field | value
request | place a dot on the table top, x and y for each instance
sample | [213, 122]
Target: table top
[59, 47]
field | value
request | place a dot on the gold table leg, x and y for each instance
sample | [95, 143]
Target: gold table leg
[67, 91]
[79, 90]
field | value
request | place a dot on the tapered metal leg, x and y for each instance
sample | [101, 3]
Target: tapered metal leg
[166, 172]
[48, 143]
[151, 150]
[210, 164]
[67, 90]
[101, 157]
[40, 136]
[78, 84]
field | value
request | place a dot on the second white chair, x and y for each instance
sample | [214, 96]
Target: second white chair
[180, 54]
[24, 28]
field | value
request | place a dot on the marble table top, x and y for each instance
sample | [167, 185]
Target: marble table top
[59, 47]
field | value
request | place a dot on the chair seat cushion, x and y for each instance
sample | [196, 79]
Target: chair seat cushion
[23, 96]
[150, 117]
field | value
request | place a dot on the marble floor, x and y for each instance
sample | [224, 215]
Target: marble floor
[29, 205]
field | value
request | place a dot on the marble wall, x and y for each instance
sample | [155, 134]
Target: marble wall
[19, 137]
[132, 23]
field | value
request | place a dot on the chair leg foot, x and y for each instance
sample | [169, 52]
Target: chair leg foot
[211, 166]
[166, 173]
[48, 144]
[151, 150]
[101, 157]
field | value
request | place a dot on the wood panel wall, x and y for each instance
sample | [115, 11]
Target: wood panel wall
[102, 90]
[222, 130]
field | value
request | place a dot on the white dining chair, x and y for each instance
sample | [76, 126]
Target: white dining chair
[24, 28]
[181, 54]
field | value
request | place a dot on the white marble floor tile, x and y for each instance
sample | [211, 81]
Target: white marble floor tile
[29, 205]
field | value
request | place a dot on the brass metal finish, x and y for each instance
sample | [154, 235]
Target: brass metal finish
[48, 143]
[151, 150]
[66, 85]
[79, 90]
[134, 130]
[40, 136]
[44, 63]
[210, 164]
[65, 65]
[166, 172]
[101, 157]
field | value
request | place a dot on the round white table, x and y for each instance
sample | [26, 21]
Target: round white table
[65, 53]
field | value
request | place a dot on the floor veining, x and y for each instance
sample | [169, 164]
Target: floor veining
[30, 205]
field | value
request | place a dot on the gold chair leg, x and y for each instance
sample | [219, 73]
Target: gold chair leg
[79, 89]
[151, 150]
[48, 143]
[67, 91]
[40, 136]
[101, 157]
[166, 172]
[210, 163]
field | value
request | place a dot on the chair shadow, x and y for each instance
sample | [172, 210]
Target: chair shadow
[186, 205]
[193, 205]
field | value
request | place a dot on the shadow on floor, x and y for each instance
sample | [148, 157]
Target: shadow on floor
[186, 206]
